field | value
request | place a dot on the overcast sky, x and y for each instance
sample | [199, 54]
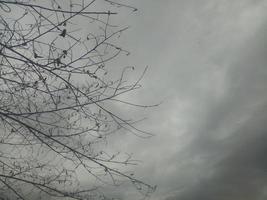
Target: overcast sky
[207, 62]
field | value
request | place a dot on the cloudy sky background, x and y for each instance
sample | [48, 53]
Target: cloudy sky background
[207, 62]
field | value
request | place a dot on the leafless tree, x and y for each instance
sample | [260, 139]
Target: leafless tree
[56, 96]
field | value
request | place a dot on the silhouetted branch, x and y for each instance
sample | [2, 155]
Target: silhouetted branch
[56, 99]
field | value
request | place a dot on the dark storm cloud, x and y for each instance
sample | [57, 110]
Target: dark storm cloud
[240, 171]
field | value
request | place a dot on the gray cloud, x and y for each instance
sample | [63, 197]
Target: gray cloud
[208, 62]
[238, 169]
